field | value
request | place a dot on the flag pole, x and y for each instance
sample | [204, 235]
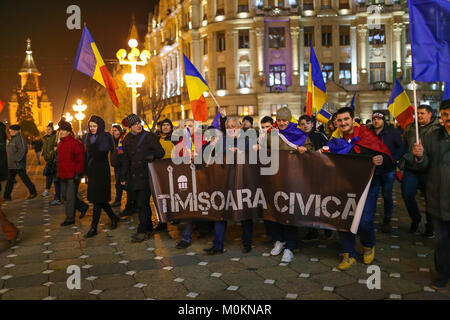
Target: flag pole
[415, 111]
[214, 98]
[67, 92]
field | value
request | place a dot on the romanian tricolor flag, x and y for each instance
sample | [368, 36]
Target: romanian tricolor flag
[400, 106]
[90, 62]
[323, 116]
[317, 92]
[196, 85]
[2, 105]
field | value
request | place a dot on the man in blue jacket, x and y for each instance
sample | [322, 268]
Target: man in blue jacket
[385, 177]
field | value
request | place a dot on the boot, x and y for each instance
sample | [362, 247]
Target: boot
[114, 222]
[114, 219]
[92, 232]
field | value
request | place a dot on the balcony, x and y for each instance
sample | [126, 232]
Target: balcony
[380, 85]
[278, 88]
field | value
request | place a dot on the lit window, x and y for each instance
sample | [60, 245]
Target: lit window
[246, 111]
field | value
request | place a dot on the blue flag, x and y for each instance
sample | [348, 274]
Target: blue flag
[429, 22]
[294, 134]
[352, 104]
[446, 95]
[216, 121]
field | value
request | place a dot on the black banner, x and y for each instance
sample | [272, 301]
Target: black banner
[310, 189]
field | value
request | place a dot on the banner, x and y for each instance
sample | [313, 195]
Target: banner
[312, 189]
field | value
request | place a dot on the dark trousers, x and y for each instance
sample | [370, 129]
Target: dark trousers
[366, 228]
[282, 233]
[442, 247]
[69, 188]
[411, 183]
[98, 211]
[220, 227]
[145, 213]
[25, 179]
[386, 182]
[131, 205]
[57, 188]
[38, 157]
[119, 187]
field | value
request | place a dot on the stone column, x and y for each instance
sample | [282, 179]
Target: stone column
[294, 37]
[302, 56]
[354, 55]
[260, 50]
[230, 61]
[362, 32]
[396, 37]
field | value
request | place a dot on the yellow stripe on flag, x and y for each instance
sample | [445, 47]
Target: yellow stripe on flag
[195, 87]
[401, 103]
[97, 73]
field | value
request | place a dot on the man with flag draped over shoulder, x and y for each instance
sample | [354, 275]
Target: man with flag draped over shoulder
[350, 138]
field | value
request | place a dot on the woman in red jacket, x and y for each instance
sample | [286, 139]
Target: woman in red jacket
[70, 162]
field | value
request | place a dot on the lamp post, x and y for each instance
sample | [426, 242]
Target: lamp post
[68, 117]
[79, 108]
[134, 58]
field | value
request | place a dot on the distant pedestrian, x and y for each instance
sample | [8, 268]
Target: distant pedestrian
[49, 154]
[70, 169]
[98, 144]
[17, 150]
[37, 146]
[117, 134]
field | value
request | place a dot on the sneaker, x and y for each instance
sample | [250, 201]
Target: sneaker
[45, 193]
[312, 234]
[182, 244]
[67, 223]
[277, 248]
[288, 255]
[369, 255]
[439, 283]
[414, 226]
[212, 251]
[32, 196]
[55, 202]
[346, 262]
[139, 237]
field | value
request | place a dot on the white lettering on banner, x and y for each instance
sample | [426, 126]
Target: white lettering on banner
[246, 199]
[350, 206]
[222, 199]
[275, 201]
[230, 201]
[325, 210]
[184, 205]
[259, 199]
[203, 199]
[304, 210]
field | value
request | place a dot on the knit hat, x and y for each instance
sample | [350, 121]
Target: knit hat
[166, 121]
[250, 119]
[15, 127]
[445, 104]
[378, 115]
[64, 125]
[132, 119]
[124, 123]
[284, 114]
[50, 125]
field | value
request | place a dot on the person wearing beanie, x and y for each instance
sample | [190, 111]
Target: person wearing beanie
[139, 148]
[432, 153]
[98, 144]
[165, 137]
[17, 150]
[70, 165]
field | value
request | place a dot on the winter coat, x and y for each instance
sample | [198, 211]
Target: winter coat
[70, 160]
[17, 150]
[437, 161]
[3, 155]
[166, 142]
[49, 152]
[137, 152]
[318, 139]
[409, 138]
[115, 156]
[37, 145]
[98, 170]
[393, 140]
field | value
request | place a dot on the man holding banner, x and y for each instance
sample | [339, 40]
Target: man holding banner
[354, 139]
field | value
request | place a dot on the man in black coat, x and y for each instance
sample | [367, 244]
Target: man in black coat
[386, 176]
[139, 148]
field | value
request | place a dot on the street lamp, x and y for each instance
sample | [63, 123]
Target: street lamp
[79, 108]
[134, 58]
[68, 117]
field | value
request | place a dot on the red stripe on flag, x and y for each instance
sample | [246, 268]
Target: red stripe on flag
[110, 84]
[309, 106]
[405, 118]
[200, 109]
[2, 104]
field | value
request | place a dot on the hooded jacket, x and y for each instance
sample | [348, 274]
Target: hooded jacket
[49, 152]
[17, 150]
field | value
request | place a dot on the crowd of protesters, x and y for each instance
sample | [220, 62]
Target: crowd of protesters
[395, 153]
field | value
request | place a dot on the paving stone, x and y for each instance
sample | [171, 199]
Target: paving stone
[28, 269]
[59, 289]
[155, 276]
[130, 293]
[113, 281]
[105, 269]
[277, 273]
[33, 280]
[330, 279]
[29, 293]
[165, 290]
[148, 264]
[205, 285]
[261, 291]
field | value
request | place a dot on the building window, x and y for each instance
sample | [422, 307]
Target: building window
[407, 34]
[306, 72]
[377, 36]
[205, 46]
[276, 37]
[221, 79]
[309, 36]
[344, 35]
[344, 4]
[274, 108]
[205, 12]
[220, 41]
[242, 6]
[326, 4]
[244, 39]
[220, 8]
[345, 73]
[377, 72]
[246, 111]
[244, 77]
[327, 36]
[277, 75]
[327, 72]
[308, 4]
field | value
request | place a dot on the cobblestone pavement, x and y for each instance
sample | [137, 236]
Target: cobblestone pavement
[114, 268]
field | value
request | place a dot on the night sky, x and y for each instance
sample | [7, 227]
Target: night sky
[54, 45]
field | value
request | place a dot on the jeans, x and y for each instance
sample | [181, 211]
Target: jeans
[69, 188]
[145, 213]
[411, 182]
[38, 157]
[442, 247]
[220, 227]
[25, 179]
[386, 182]
[366, 229]
[282, 233]
[119, 187]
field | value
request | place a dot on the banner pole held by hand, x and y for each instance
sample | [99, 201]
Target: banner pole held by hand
[415, 111]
